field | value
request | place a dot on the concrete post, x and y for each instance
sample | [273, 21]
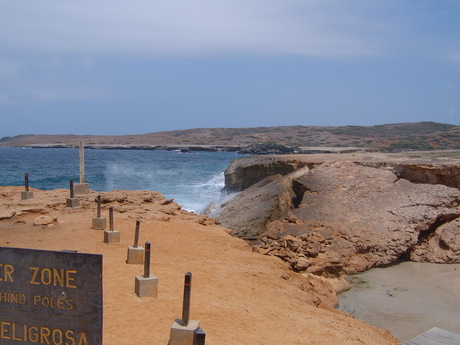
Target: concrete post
[146, 285]
[185, 331]
[72, 202]
[135, 253]
[26, 194]
[82, 187]
[81, 152]
[111, 236]
[99, 223]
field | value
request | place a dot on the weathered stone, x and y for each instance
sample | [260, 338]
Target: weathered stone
[44, 220]
[7, 214]
[302, 264]
[243, 173]
[345, 218]
[443, 246]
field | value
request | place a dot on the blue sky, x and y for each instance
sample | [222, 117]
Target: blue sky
[132, 67]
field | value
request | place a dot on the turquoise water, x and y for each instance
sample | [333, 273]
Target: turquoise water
[192, 179]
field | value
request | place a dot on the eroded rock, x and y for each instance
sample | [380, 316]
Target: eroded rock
[342, 218]
[7, 214]
[440, 246]
[44, 220]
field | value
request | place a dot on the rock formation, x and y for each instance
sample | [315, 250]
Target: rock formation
[340, 216]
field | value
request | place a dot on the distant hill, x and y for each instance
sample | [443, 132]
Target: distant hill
[389, 137]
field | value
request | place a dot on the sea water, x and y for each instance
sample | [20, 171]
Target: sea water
[193, 180]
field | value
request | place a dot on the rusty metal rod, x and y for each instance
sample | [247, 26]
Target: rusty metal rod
[111, 218]
[72, 195]
[99, 206]
[26, 181]
[186, 301]
[136, 235]
[147, 260]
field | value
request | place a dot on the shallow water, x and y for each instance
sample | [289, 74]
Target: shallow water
[406, 299]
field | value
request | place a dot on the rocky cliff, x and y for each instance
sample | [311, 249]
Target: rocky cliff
[341, 214]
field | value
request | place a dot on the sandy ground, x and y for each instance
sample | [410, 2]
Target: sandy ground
[407, 299]
[239, 296]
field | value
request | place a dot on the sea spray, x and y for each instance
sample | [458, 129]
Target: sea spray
[193, 180]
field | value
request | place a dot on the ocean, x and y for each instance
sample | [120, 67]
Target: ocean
[193, 180]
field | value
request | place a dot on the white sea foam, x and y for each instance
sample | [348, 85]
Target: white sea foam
[192, 180]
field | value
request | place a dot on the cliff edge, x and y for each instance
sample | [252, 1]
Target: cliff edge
[334, 215]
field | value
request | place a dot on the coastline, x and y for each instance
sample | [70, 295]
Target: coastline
[212, 148]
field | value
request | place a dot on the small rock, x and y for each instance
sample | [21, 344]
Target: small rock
[302, 264]
[7, 215]
[44, 220]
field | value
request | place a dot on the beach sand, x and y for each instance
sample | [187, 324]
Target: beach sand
[407, 299]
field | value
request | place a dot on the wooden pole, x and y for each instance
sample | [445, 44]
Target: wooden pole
[82, 162]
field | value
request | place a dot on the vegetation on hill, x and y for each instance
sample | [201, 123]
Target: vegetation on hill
[389, 137]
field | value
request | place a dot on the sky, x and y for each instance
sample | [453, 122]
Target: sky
[113, 67]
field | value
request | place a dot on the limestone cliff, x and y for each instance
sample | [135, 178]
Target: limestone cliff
[338, 214]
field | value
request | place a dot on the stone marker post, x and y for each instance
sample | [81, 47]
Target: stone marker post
[72, 202]
[146, 285]
[26, 194]
[135, 253]
[82, 187]
[111, 236]
[99, 223]
[186, 331]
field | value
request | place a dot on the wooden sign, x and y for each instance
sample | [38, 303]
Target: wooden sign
[49, 297]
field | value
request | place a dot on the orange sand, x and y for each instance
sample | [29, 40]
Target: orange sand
[240, 297]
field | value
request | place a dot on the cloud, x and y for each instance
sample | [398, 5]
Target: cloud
[190, 28]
